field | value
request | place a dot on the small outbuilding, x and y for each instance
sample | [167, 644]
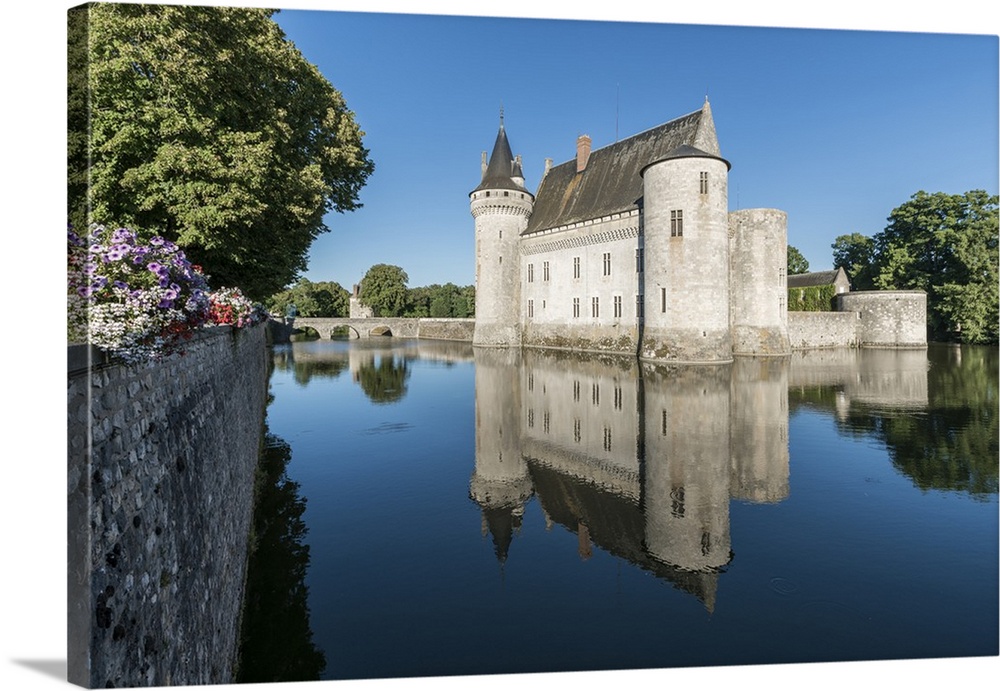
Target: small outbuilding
[835, 277]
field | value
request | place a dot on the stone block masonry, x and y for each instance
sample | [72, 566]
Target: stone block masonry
[162, 458]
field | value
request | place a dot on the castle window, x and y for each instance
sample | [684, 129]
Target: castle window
[531, 273]
[676, 223]
[506, 194]
[545, 421]
[501, 235]
[595, 307]
[639, 260]
[576, 430]
[576, 389]
[576, 307]
[703, 183]
[576, 267]
[545, 271]
[531, 417]
[663, 300]
[531, 308]
[638, 306]
[618, 306]
[663, 423]
[595, 393]
[607, 263]
[487, 194]
[618, 398]
[607, 439]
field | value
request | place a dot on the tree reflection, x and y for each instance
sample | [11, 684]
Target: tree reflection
[276, 637]
[384, 381]
[948, 441]
[306, 366]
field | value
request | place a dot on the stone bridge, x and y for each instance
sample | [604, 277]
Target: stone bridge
[400, 327]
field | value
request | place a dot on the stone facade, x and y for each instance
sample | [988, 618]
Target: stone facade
[162, 458]
[630, 248]
[888, 318]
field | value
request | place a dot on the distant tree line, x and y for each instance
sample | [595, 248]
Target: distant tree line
[943, 244]
[384, 289]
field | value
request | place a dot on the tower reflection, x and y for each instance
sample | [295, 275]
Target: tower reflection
[637, 460]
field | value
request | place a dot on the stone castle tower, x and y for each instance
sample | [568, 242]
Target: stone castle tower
[629, 248]
[501, 207]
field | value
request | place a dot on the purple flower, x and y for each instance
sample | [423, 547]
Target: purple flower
[154, 267]
[121, 285]
[121, 235]
[156, 241]
[85, 291]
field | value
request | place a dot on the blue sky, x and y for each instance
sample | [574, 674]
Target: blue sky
[835, 127]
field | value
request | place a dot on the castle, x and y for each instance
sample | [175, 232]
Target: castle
[629, 248]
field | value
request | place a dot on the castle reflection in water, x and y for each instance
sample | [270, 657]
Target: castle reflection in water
[639, 460]
[642, 461]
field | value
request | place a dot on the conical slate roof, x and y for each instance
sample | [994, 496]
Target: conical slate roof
[612, 181]
[502, 167]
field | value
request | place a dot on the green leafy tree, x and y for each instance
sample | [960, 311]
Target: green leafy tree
[855, 253]
[206, 125]
[797, 264]
[383, 289]
[946, 245]
[320, 299]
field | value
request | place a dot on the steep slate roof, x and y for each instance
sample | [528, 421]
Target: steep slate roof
[815, 278]
[612, 181]
[502, 167]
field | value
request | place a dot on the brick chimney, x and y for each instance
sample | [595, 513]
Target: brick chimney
[582, 152]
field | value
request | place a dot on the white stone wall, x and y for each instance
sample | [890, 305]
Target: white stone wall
[500, 216]
[758, 259]
[686, 284]
[605, 253]
[894, 318]
[822, 330]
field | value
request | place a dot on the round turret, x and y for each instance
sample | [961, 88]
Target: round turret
[759, 258]
[501, 207]
[686, 239]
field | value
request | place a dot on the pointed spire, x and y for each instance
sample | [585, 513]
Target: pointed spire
[705, 137]
[502, 172]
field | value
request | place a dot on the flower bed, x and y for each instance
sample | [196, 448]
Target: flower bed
[140, 298]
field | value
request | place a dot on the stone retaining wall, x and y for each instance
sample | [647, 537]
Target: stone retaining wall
[822, 329]
[162, 458]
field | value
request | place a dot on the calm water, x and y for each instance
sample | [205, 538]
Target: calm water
[435, 510]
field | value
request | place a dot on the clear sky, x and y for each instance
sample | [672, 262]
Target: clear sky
[835, 127]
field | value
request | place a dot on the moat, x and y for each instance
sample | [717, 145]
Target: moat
[438, 510]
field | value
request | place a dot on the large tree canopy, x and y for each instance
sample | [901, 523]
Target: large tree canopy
[854, 253]
[206, 125]
[383, 289]
[943, 244]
